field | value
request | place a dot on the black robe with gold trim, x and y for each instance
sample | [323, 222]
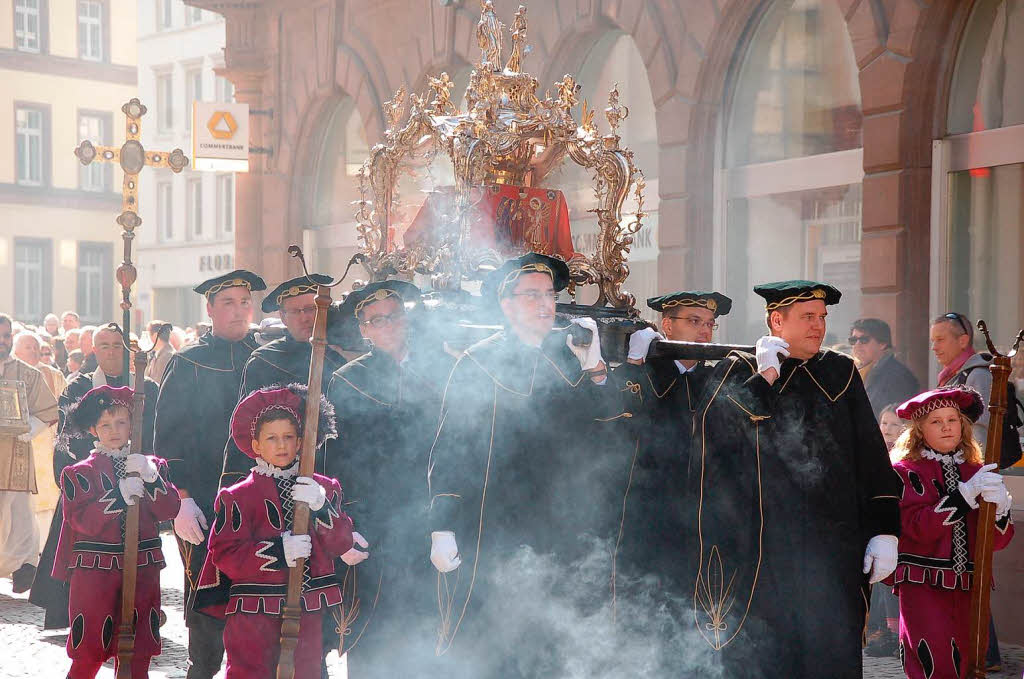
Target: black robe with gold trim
[193, 413]
[281, 362]
[387, 416]
[789, 482]
[656, 519]
[523, 472]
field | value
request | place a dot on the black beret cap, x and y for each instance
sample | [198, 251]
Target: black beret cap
[293, 288]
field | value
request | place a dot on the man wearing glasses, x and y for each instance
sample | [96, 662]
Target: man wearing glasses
[386, 403]
[520, 477]
[886, 380]
[282, 361]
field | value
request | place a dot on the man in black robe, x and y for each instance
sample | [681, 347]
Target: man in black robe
[797, 505]
[197, 397]
[519, 488]
[108, 341]
[663, 395]
[386, 403]
[282, 361]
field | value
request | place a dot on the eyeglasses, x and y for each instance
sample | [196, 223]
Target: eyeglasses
[695, 322]
[535, 296]
[959, 319]
[854, 340]
[384, 320]
[304, 311]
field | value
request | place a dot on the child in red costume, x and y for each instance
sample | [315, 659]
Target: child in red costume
[252, 547]
[940, 465]
[96, 492]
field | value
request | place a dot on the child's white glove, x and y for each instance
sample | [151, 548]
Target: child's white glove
[307, 490]
[141, 465]
[296, 547]
[353, 556]
[444, 552]
[131, 488]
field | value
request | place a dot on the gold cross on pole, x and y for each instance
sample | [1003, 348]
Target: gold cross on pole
[132, 157]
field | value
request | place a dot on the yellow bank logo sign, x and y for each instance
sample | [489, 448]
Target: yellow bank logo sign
[222, 125]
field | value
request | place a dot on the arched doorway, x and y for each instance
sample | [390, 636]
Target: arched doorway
[614, 59]
[788, 197]
[329, 231]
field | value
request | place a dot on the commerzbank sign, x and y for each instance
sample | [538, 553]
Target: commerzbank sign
[220, 136]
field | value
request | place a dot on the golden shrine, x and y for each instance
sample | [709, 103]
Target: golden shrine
[451, 193]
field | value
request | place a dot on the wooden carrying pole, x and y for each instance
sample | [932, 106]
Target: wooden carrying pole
[130, 557]
[981, 588]
[307, 463]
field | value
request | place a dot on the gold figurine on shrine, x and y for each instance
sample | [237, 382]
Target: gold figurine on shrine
[451, 192]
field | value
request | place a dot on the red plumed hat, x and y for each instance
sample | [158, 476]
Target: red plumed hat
[966, 400]
[290, 399]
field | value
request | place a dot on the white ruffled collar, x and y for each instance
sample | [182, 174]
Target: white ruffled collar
[929, 454]
[264, 468]
[113, 452]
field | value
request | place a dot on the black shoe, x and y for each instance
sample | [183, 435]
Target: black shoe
[22, 578]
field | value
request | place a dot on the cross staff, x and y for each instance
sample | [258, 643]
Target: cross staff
[132, 157]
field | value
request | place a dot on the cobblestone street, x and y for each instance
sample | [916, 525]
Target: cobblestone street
[30, 652]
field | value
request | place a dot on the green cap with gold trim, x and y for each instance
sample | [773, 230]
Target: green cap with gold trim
[239, 278]
[496, 282]
[784, 293]
[293, 288]
[715, 302]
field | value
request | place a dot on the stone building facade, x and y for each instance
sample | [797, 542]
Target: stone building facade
[870, 142]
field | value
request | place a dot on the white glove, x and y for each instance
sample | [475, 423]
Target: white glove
[353, 556]
[880, 557]
[767, 351]
[307, 490]
[131, 488]
[640, 343]
[36, 425]
[983, 479]
[1000, 497]
[141, 465]
[190, 523]
[589, 357]
[444, 552]
[296, 547]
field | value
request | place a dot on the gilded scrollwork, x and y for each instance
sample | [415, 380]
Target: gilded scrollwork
[506, 135]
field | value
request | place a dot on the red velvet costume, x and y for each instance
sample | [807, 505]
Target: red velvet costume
[246, 565]
[89, 555]
[933, 575]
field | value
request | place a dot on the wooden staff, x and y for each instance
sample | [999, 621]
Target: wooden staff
[130, 557]
[981, 587]
[292, 612]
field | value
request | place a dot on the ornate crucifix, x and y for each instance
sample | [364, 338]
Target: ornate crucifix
[132, 157]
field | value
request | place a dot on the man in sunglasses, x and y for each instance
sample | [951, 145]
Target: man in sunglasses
[282, 361]
[386, 403]
[886, 379]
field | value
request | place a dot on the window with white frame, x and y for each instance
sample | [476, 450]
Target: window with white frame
[226, 203]
[90, 30]
[788, 201]
[225, 90]
[32, 278]
[164, 14]
[194, 205]
[165, 210]
[94, 176]
[193, 92]
[95, 262]
[193, 15]
[27, 25]
[30, 146]
[165, 102]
